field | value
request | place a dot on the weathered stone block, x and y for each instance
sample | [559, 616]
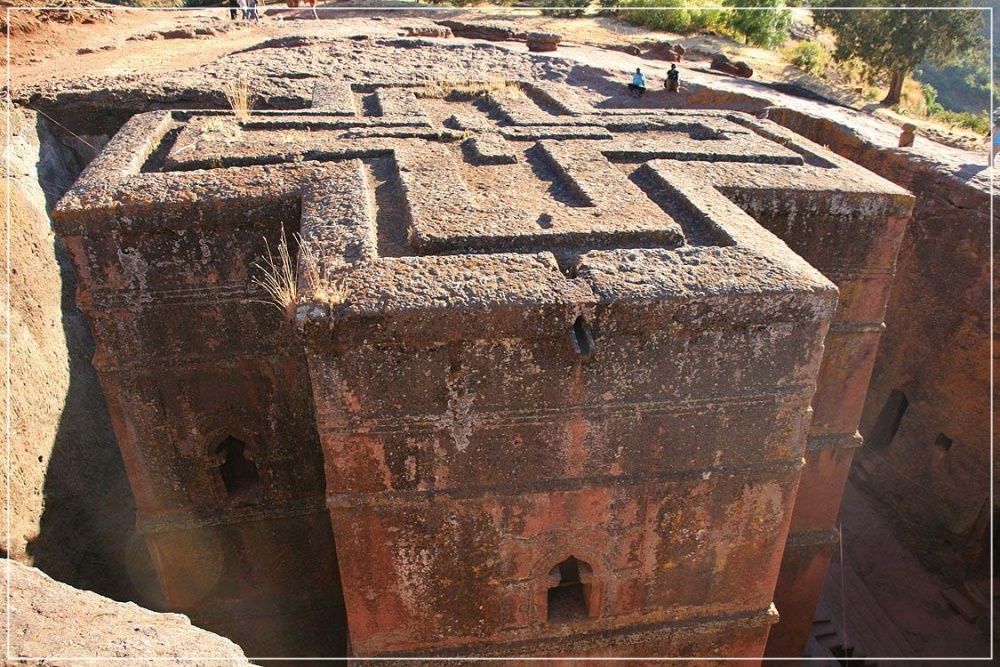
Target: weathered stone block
[553, 375]
[543, 41]
[739, 68]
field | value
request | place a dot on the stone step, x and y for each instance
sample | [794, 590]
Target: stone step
[870, 629]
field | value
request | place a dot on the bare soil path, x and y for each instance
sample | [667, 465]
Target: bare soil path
[145, 42]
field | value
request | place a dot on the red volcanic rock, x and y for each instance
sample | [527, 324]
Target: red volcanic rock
[494, 31]
[548, 372]
[907, 136]
[739, 68]
[430, 30]
[666, 51]
[543, 41]
[62, 624]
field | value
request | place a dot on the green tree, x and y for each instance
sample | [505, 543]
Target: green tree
[766, 27]
[892, 42]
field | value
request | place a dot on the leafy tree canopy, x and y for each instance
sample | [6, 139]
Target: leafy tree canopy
[895, 41]
[766, 27]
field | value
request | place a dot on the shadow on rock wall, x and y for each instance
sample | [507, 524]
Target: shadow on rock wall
[86, 535]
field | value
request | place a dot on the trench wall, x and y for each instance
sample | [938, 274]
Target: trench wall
[72, 513]
[71, 510]
[926, 418]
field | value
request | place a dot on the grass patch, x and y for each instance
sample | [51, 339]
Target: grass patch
[239, 96]
[458, 91]
[978, 123]
[672, 15]
[811, 57]
[573, 8]
[280, 273]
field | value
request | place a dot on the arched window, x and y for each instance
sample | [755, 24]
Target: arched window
[569, 591]
[239, 474]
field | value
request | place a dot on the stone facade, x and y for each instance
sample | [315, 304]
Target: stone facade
[926, 418]
[551, 366]
[927, 415]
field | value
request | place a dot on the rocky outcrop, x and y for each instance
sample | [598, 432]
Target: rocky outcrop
[543, 41]
[493, 31]
[71, 509]
[672, 53]
[56, 624]
[722, 63]
[425, 30]
[630, 49]
[180, 33]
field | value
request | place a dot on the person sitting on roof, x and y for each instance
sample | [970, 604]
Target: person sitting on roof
[638, 85]
[673, 81]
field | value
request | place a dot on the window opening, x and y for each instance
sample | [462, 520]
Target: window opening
[583, 338]
[889, 419]
[569, 591]
[943, 442]
[239, 474]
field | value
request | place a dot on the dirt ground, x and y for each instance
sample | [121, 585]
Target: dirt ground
[137, 43]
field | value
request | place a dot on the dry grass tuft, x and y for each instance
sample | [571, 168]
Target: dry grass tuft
[239, 96]
[279, 277]
[494, 97]
[323, 287]
[222, 130]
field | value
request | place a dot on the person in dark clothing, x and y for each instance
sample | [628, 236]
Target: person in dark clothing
[673, 81]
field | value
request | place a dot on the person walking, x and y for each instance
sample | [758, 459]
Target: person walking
[252, 11]
[638, 85]
[995, 143]
[234, 7]
[673, 82]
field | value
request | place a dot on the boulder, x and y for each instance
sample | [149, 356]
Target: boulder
[673, 53]
[493, 31]
[802, 32]
[543, 41]
[907, 136]
[739, 68]
[424, 31]
[179, 33]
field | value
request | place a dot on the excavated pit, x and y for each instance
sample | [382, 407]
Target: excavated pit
[86, 533]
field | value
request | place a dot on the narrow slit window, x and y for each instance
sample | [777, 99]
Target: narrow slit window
[239, 473]
[887, 424]
[943, 442]
[569, 591]
[583, 338]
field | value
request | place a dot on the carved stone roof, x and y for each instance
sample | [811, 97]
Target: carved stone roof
[478, 197]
